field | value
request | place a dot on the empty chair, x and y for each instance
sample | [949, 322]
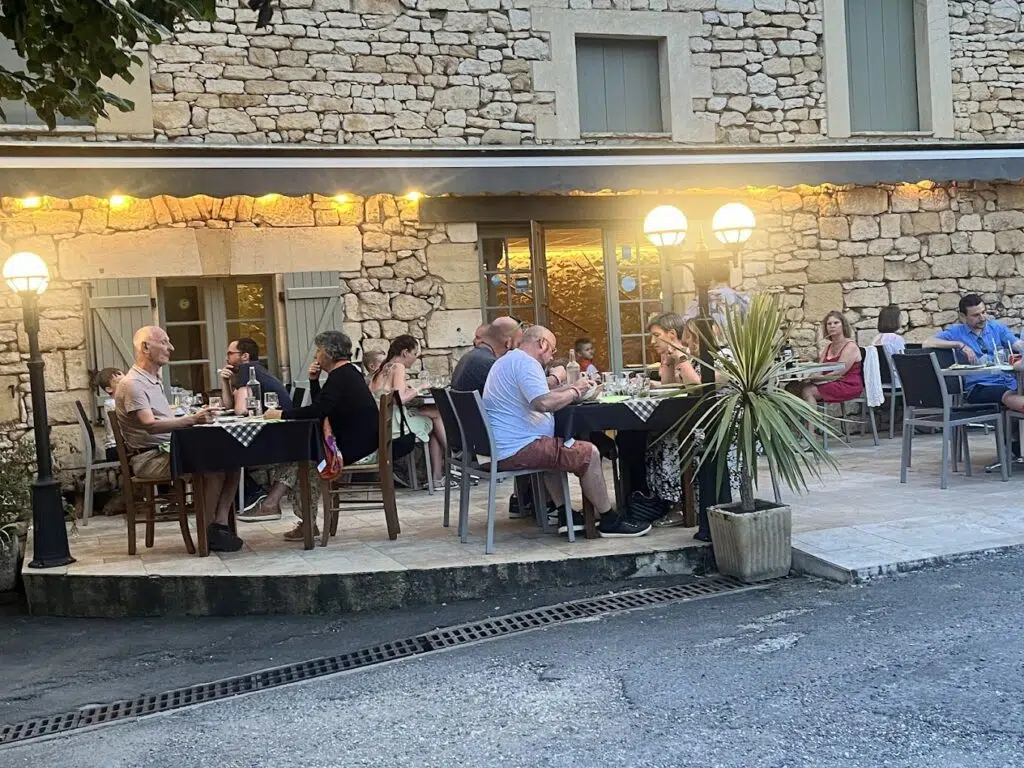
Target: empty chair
[890, 385]
[91, 465]
[928, 402]
[453, 447]
[478, 441]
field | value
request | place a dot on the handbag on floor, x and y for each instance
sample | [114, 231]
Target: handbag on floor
[330, 468]
[405, 442]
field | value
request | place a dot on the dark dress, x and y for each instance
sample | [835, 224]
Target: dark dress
[346, 401]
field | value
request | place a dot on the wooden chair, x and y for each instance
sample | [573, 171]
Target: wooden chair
[91, 464]
[148, 486]
[379, 464]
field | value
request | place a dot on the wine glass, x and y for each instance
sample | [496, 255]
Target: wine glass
[271, 400]
[216, 404]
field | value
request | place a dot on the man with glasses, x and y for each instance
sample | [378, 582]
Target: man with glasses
[978, 339]
[520, 406]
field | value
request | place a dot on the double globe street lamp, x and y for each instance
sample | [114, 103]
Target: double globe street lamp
[27, 275]
[732, 225]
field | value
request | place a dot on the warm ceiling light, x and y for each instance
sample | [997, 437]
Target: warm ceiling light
[733, 224]
[340, 198]
[665, 226]
[118, 201]
[270, 196]
[413, 196]
[31, 202]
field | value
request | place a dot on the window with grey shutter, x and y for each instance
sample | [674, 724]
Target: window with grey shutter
[619, 82]
[19, 112]
[883, 65]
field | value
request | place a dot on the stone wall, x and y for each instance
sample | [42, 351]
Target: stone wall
[406, 278]
[463, 71]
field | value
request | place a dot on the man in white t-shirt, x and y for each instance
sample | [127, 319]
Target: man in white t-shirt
[520, 407]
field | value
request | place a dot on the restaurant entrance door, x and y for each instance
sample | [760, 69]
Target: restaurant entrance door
[599, 282]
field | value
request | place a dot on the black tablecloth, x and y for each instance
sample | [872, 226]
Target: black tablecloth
[580, 420]
[211, 449]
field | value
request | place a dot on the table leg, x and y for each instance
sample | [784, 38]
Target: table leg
[307, 506]
[199, 502]
[589, 520]
[689, 500]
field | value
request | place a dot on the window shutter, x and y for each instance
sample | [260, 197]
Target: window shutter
[882, 58]
[118, 307]
[619, 84]
[312, 302]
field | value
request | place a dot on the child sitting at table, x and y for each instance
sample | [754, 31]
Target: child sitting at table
[585, 356]
[107, 380]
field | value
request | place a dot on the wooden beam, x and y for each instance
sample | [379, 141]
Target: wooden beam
[564, 209]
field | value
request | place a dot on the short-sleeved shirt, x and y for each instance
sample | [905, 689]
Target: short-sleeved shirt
[267, 382]
[471, 371]
[137, 391]
[993, 335]
[108, 413]
[516, 380]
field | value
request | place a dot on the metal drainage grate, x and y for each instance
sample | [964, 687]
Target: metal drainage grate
[449, 637]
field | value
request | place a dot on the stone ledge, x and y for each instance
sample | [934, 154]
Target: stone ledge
[55, 594]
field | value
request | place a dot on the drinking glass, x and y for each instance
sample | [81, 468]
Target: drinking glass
[271, 400]
[216, 403]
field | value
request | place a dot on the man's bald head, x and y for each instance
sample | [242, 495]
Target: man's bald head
[480, 335]
[152, 347]
[501, 334]
[539, 342]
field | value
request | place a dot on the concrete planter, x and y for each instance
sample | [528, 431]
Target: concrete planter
[752, 546]
[10, 560]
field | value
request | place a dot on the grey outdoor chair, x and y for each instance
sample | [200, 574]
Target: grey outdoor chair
[890, 384]
[928, 402]
[478, 441]
[91, 465]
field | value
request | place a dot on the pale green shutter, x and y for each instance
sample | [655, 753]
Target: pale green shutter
[313, 304]
[883, 65]
[118, 307]
[619, 83]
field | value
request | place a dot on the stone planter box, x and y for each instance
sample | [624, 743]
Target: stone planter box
[10, 561]
[753, 546]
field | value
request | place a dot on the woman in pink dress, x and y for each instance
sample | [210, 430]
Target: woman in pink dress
[847, 383]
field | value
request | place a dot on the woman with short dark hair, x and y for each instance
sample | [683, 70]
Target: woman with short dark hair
[888, 334]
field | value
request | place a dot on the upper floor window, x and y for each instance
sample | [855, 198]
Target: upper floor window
[19, 112]
[620, 85]
[882, 57]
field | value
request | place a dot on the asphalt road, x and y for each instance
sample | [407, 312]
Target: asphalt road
[925, 669]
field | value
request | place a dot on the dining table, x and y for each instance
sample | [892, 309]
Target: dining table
[231, 443]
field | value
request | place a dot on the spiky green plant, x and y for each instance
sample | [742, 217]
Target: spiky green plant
[750, 407]
[15, 490]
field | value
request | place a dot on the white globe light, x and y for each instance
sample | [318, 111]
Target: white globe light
[26, 272]
[733, 224]
[665, 226]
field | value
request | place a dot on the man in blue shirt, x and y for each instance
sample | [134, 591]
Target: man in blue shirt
[976, 340]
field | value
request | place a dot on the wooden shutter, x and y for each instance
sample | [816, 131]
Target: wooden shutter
[619, 83]
[118, 307]
[882, 61]
[312, 302]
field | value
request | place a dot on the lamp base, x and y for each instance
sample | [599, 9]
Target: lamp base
[49, 533]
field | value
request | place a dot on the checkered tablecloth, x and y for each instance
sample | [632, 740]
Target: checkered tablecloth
[642, 407]
[243, 431]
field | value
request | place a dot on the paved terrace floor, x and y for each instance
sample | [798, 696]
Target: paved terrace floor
[859, 523]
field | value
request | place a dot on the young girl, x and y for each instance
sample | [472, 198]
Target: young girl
[425, 422]
[108, 379]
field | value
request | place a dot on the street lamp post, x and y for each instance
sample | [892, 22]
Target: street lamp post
[732, 225]
[27, 275]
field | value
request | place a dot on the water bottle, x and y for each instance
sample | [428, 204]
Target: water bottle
[254, 402]
[572, 369]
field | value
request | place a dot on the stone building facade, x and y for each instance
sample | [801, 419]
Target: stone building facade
[733, 74]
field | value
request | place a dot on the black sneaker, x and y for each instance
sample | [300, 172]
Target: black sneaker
[613, 526]
[221, 539]
[517, 510]
[577, 520]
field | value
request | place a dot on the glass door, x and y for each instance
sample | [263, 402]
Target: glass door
[637, 290]
[509, 276]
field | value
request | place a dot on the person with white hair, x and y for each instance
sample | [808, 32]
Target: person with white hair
[146, 422]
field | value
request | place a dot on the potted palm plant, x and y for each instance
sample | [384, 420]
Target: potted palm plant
[751, 412]
[15, 508]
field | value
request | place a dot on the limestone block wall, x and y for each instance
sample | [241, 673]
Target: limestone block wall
[398, 276]
[404, 72]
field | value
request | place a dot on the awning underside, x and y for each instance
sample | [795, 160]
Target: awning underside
[144, 171]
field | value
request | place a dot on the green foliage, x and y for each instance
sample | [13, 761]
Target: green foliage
[68, 45]
[751, 407]
[15, 489]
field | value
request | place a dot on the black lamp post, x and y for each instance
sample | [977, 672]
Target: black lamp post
[732, 225]
[27, 275]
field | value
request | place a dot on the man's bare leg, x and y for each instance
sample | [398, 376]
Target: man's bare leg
[220, 491]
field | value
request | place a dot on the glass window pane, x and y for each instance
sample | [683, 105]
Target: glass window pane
[191, 377]
[182, 304]
[518, 254]
[629, 318]
[189, 342]
[632, 351]
[492, 252]
[257, 331]
[244, 300]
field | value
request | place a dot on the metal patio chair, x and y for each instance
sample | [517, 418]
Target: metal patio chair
[91, 465]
